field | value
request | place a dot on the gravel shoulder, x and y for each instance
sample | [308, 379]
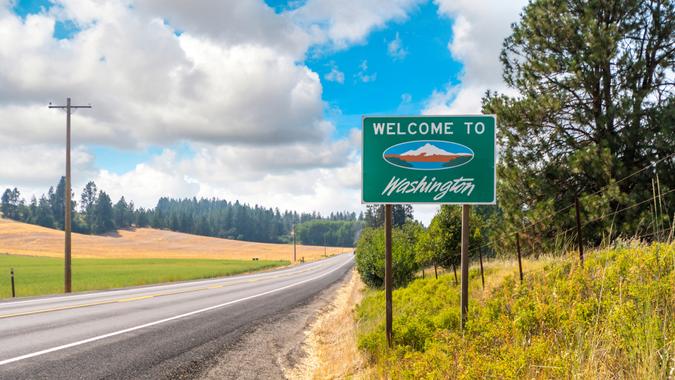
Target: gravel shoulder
[283, 346]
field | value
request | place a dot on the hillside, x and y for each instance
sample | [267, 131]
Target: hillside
[611, 319]
[27, 239]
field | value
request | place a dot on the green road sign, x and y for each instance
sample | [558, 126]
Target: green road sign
[429, 159]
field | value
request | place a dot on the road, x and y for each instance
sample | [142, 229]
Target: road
[162, 331]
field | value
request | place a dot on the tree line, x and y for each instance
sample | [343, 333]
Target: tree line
[95, 213]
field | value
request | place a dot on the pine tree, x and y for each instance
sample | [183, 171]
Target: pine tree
[103, 214]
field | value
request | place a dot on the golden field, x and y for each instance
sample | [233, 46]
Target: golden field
[26, 239]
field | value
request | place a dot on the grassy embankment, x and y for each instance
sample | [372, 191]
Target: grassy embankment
[615, 318]
[44, 275]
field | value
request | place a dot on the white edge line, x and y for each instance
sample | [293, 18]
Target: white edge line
[130, 329]
[142, 289]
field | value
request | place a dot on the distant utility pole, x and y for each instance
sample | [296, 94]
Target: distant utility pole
[67, 222]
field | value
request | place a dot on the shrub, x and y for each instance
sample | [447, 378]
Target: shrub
[370, 256]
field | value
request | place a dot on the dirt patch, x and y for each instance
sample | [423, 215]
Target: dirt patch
[280, 347]
[330, 342]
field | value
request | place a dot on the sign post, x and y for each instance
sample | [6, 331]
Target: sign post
[431, 160]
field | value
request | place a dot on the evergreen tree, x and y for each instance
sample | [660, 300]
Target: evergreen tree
[103, 214]
[121, 214]
[87, 202]
[44, 216]
[595, 104]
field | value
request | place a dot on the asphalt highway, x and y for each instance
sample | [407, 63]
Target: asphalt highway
[163, 331]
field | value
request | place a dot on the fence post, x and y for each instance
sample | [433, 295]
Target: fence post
[520, 263]
[480, 258]
[580, 239]
[11, 272]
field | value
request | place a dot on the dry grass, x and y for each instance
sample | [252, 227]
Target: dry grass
[331, 347]
[26, 239]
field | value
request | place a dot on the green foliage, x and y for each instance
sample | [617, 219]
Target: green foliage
[44, 275]
[595, 105]
[441, 243]
[103, 214]
[370, 254]
[611, 319]
[336, 233]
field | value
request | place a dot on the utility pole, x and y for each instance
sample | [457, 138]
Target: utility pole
[68, 218]
[325, 249]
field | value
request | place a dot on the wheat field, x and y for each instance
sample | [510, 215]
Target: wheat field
[26, 239]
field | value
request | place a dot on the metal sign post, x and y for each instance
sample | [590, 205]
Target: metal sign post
[387, 272]
[464, 298]
[428, 159]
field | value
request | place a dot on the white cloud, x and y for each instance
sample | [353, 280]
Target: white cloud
[395, 48]
[342, 23]
[363, 74]
[478, 31]
[40, 166]
[149, 85]
[335, 75]
[331, 183]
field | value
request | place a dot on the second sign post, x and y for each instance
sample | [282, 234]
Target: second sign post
[431, 160]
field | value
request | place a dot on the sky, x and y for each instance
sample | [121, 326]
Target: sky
[258, 101]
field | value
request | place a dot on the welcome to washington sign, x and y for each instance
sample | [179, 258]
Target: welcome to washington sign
[429, 159]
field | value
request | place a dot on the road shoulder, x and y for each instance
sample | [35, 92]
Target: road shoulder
[284, 346]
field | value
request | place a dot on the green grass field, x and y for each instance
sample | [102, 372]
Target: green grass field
[43, 275]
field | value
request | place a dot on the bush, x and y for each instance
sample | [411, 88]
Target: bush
[370, 256]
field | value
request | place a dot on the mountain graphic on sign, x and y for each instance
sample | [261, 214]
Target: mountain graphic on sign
[428, 155]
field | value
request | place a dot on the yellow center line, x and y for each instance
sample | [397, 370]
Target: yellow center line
[131, 299]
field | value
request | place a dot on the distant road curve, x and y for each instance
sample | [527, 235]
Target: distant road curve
[160, 331]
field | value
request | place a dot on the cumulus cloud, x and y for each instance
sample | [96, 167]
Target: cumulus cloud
[342, 23]
[478, 31]
[331, 183]
[18, 165]
[151, 86]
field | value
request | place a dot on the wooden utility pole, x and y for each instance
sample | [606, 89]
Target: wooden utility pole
[68, 218]
[580, 239]
[387, 272]
[520, 261]
[464, 310]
